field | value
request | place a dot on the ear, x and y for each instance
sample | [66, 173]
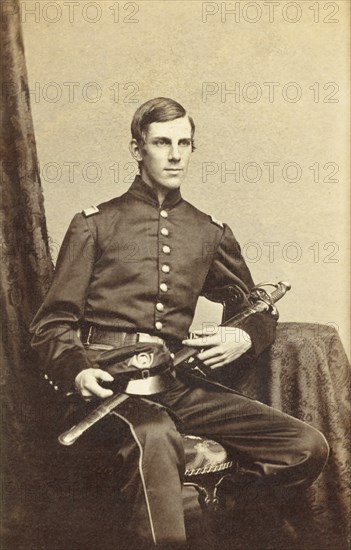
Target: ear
[135, 149]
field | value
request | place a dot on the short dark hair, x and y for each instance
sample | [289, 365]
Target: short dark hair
[159, 109]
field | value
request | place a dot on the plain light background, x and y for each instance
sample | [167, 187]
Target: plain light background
[295, 231]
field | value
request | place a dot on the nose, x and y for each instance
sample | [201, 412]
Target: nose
[174, 153]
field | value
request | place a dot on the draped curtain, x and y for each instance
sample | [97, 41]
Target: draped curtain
[26, 271]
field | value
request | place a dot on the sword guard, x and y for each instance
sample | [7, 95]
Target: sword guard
[259, 294]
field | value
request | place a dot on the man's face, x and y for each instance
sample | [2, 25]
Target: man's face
[166, 153]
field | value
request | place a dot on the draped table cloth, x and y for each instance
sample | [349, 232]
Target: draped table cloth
[306, 374]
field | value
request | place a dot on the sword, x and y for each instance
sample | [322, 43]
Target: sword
[70, 436]
[261, 301]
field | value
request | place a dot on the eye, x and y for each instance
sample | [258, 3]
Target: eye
[160, 142]
[185, 142]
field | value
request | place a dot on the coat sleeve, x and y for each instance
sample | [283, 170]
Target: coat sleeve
[229, 268]
[54, 328]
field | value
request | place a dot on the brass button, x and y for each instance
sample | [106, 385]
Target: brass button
[164, 232]
[163, 287]
[165, 268]
[166, 249]
[158, 325]
[164, 214]
[160, 306]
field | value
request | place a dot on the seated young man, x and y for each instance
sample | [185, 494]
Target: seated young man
[130, 271]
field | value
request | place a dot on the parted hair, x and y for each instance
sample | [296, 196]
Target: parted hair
[159, 109]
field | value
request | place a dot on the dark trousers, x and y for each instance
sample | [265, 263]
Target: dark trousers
[143, 438]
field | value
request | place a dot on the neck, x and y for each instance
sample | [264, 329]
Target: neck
[161, 195]
[161, 192]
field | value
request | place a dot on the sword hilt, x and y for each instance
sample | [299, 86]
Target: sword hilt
[281, 290]
[259, 294]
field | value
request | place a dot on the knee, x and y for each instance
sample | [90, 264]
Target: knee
[162, 439]
[160, 430]
[315, 450]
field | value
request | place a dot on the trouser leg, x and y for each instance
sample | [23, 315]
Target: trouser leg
[151, 466]
[277, 454]
[272, 448]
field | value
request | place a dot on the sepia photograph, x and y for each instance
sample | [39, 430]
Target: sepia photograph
[175, 275]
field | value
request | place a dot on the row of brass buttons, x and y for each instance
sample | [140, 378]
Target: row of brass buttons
[164, 268]
[50, 382]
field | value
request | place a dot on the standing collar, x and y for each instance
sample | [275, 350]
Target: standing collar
[146, 193]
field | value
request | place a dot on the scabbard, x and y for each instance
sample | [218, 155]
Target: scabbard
[71, 435]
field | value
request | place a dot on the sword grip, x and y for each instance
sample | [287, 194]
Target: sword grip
[280, 291]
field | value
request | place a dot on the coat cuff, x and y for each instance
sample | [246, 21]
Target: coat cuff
[261, 328]
[65, 369]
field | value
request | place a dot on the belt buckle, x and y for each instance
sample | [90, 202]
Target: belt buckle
[149, 338]
[144, 337]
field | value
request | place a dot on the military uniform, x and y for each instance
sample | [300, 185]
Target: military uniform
[131, 266]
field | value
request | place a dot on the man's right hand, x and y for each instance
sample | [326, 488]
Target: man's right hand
[87, 383]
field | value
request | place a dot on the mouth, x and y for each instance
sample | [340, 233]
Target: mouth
[174, 170]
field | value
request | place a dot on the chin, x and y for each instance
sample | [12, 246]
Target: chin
[171, 183]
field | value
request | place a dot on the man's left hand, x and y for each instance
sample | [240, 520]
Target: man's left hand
[221, 348]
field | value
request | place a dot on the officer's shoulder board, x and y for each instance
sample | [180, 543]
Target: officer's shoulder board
[90, 211]
[217, 222]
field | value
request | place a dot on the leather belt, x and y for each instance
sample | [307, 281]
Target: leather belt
[92, 334]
